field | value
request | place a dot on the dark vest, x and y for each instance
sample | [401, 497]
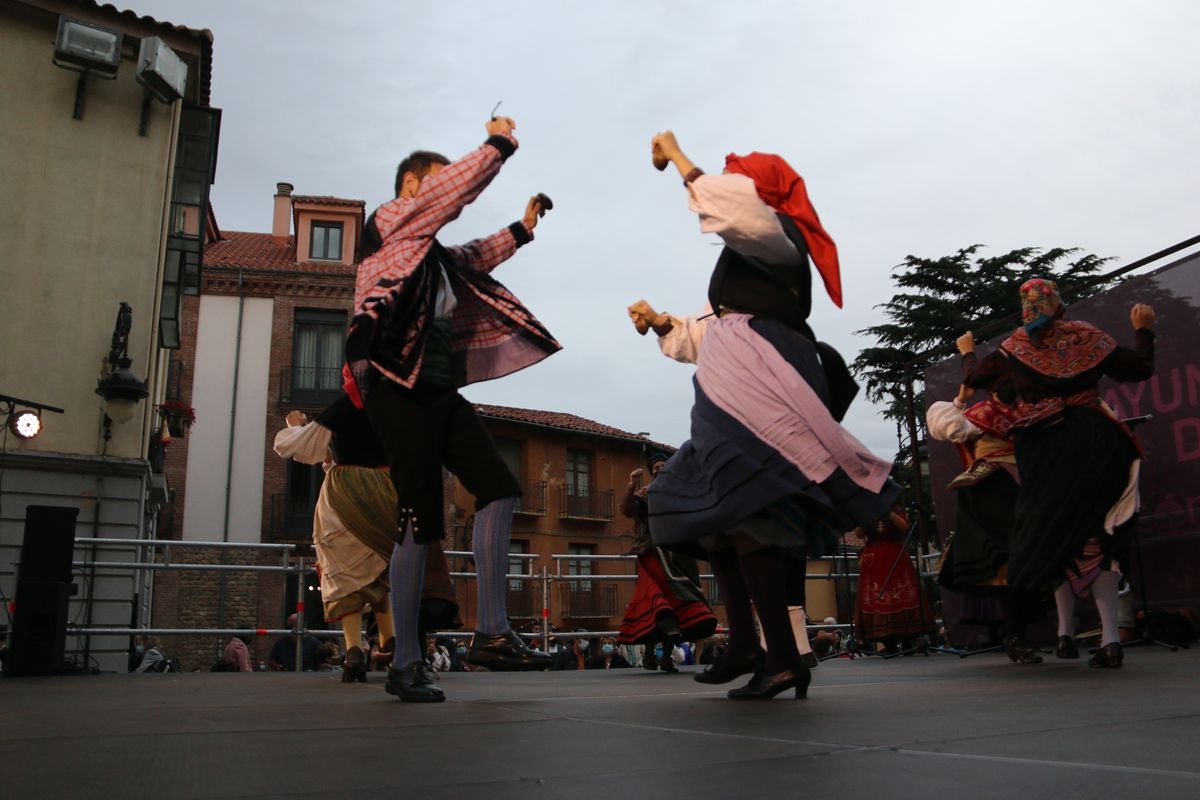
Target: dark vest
[354, 442]
[782, 292]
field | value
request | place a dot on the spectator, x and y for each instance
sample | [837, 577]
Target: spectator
[577, 656]
[151, 658]
[458, 657]
[283, 653]
[436, 656]
[329, 657]
[608, 657]
[236, 657]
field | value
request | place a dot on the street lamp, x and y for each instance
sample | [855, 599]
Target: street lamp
[120, 388]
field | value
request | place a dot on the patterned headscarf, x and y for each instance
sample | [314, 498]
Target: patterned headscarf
[1039, 303]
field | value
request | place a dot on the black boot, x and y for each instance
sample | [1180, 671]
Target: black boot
[413, 684]
[354, 666]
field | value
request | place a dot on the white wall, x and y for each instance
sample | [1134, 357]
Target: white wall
[208, 440]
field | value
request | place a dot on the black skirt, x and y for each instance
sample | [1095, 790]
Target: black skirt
[983, 525]
[1073, 471]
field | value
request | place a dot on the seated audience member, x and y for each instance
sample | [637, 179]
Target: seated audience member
[608, 657]
[283, 653]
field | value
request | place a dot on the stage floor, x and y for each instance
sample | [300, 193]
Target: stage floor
[912, 727]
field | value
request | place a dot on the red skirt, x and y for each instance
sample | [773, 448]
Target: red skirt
[901, 611]
[652, 597]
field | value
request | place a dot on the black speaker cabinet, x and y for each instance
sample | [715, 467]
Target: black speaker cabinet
[43, 592]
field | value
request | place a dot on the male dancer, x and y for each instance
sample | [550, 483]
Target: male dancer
[428, 320]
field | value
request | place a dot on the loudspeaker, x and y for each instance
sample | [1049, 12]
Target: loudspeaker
[49, 544]
[43, 592]
[39, 634]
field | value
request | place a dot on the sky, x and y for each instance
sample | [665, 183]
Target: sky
[919, 127]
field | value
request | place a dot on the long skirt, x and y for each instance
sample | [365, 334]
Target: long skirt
[889, 606]
[657, 593]
[983, 526]
[1073, 472]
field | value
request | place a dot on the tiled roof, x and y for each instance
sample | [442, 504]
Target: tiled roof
[566, 422]
[326, 200]
[204, 35]
[261, 251]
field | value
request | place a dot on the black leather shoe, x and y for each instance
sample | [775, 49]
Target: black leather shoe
[506, 652]
[1108, 657]
[1066, 648]
[810, 660]
[354, 666]
[413, 684]
[667, 664]
[1021, 652]
[764, 687]
[730, 666]
[650, 661]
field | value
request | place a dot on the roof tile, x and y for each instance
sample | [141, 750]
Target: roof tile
[261, 251]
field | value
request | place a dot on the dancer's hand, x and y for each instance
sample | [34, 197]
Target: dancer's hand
[295, 419]
[664, 149]
[635, 476]
[1142, 316]
[535, 209]
[500, 126]
[966, 343]
[964, 393]
[645, 317]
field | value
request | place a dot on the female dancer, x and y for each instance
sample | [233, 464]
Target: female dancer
[668, 605]
[891, 606]
[768, 472]
[1079, 465]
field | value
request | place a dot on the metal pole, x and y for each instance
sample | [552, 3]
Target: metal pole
[299, 627]
[545, 610]
[910, 414]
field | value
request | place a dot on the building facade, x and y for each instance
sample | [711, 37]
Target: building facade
[106, 176]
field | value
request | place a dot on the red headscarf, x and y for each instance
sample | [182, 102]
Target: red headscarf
[782, 189]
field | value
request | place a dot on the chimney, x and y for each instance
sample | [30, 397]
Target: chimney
[282, 223]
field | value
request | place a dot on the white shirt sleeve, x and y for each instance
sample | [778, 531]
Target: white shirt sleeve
[730, 207]
[308, 444]
[946, 423]
[682, 343]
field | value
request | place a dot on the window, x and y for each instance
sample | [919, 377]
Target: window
[518, 566]
[326, 241]
[578, 483]
[580, 566]
[318, 350]
[511, 452]
[300, 500]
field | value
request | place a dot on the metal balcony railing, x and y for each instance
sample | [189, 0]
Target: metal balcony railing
[595, 504]
[588, 599]
[533, 502]
[315, 385]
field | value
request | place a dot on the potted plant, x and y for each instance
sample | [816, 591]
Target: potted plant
[178, 415]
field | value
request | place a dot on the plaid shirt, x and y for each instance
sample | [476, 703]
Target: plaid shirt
[492, 334]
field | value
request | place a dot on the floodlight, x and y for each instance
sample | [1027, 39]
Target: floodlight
[161, 71]
[87, 47]
[25, 424]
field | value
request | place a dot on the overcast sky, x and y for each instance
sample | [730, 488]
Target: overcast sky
[920, 128]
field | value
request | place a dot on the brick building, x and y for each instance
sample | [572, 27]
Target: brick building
[265, 336]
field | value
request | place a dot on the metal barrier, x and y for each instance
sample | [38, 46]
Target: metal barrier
[299, 565]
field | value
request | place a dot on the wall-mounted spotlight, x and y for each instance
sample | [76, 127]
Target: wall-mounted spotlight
[91, 50]
[27, 422]
[162, 73]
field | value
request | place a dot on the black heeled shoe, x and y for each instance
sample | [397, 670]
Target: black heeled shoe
[1066, 648]
[730, 666]
[1110, 656]
[764, 687]
[667, 664]
[506, 652]
[413, 684]
[354, 666]
[1021, 652]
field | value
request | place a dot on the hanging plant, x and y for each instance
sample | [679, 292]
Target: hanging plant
[179, 416]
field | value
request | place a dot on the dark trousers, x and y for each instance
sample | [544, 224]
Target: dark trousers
[424, 429]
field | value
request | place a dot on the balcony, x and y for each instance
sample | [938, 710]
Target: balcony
[588, 599]
[317, 386]
[525, 603]
[595, 505]
[533, 502]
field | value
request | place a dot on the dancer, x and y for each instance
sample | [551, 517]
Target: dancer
[891, 606]
[768, 472]
[354, 530]
[429, 320]
[976, 560]
[1079, 465]
[667, 605]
